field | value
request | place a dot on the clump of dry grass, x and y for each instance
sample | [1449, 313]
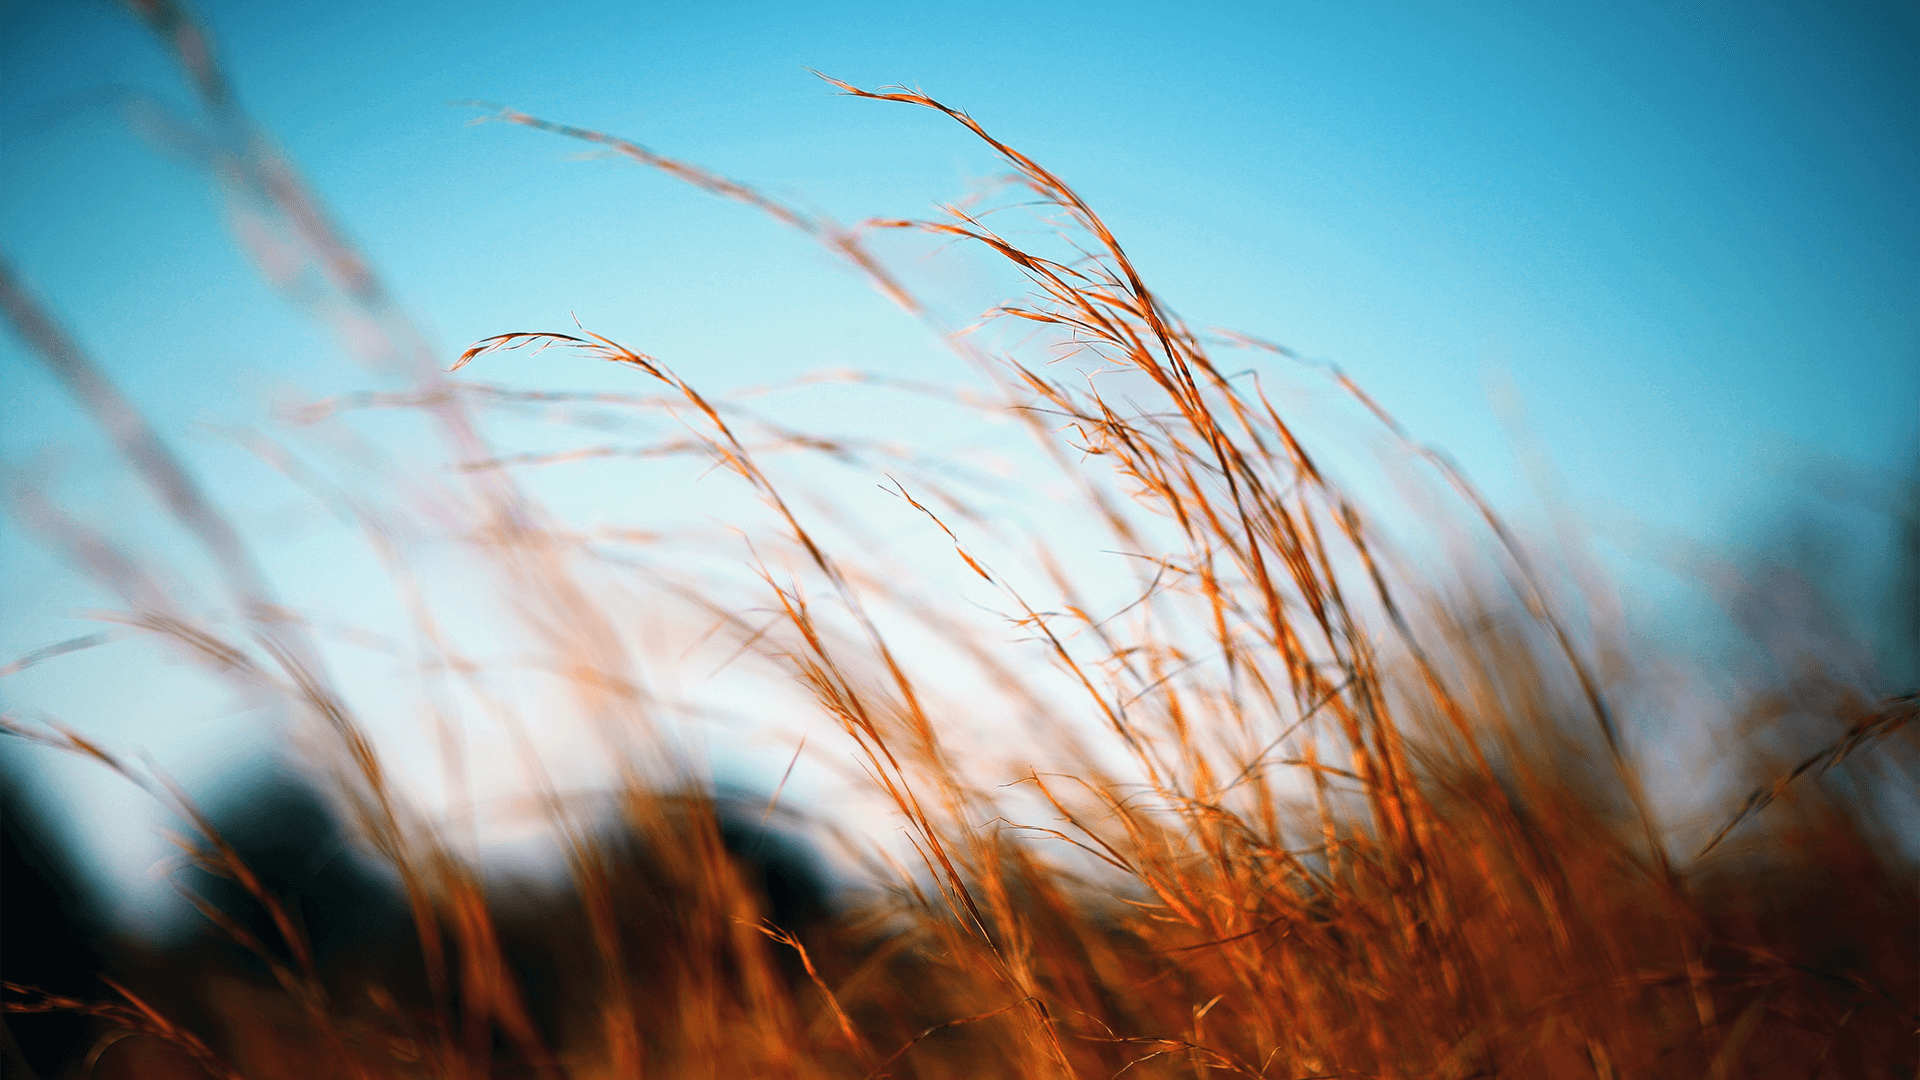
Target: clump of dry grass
[1294, 811]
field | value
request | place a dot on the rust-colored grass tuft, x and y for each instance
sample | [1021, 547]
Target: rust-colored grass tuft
[1302, 807]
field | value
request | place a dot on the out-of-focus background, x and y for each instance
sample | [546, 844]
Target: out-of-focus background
[1654, 266]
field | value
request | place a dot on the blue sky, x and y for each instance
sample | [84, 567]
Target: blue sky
[1684, 233]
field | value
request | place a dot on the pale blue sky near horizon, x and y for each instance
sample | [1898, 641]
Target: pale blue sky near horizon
[1686, 234]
